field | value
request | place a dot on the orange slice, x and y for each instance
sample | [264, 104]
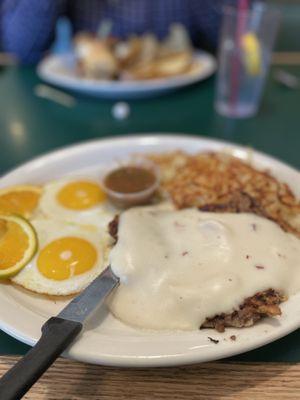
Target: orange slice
[18, 244]
[21, 200]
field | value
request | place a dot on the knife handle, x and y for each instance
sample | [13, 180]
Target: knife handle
[57, 334]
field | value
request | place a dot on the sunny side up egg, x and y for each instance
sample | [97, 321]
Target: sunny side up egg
[69, 257]
[77, 200]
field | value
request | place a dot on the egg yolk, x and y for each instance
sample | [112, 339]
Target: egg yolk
[13, 244]
[80, 195]
[19, 202]
[66, 257]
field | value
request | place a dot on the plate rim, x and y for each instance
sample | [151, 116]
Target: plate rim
[60, 150]
[175, 360]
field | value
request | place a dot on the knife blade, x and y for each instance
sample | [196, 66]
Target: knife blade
[82, 306]
[57, 334]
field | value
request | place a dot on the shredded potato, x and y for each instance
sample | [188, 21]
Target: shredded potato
[215, 178]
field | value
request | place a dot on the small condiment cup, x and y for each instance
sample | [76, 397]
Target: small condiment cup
[126, 200]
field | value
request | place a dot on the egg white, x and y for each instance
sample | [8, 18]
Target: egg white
[49, 230]
[97, 216]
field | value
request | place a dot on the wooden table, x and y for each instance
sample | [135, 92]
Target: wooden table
[68, 380]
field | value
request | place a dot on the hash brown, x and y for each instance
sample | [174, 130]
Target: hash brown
[221, 181]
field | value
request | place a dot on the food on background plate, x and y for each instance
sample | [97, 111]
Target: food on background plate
[137, 58]
[166, 66]
[95, 58]
[217, 247]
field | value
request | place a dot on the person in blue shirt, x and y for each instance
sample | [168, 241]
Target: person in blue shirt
[28, 26]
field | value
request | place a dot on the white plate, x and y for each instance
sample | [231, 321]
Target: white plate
[106, 340]
[59, 70]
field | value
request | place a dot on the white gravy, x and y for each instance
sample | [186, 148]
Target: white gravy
[179, 267]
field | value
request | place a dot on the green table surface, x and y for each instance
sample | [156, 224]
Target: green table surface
[30, 126]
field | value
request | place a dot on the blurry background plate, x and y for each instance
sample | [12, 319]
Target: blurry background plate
[105, 339]
[60, 70]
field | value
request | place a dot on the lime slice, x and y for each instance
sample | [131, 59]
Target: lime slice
[18, 244]
[252, 53]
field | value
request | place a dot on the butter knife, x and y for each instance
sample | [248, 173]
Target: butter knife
[57, 334]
